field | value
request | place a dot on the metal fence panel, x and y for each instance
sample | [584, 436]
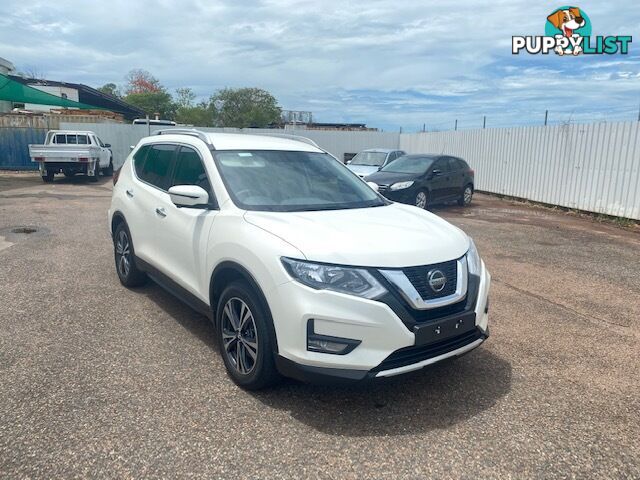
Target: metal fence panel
[14, 147]
[338, 143]
[592, 167]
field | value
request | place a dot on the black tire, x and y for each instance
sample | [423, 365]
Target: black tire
[128, 273]
[96, 174]
[466, 196]
[421, 199]
[108, 171]
[48, 177]
[236, 341]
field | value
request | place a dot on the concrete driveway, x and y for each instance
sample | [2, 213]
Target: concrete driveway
[100, 381]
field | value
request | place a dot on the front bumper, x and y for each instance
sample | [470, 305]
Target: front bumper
[390, 345]
[406, 195]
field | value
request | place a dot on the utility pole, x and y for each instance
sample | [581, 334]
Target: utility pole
[424, 126]
[546, 116]
[639, 113]
[484, 121]
[456, 126]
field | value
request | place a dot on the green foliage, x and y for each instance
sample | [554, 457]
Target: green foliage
[153, 103]
[198, 116]
[110, 89]
[229, 107]
[184, 97]
[244, 107]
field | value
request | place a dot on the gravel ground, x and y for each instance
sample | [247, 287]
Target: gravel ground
[100, 381]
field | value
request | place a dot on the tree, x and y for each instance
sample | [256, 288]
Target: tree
[153, 103]
[110, 89]
[33, 72]
[184, 97]
[141, 81]
[145, 92]
[244, 107]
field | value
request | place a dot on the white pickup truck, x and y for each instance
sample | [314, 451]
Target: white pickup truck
[72, 152]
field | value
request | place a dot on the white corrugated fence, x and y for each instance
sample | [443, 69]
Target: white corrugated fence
[592, 167]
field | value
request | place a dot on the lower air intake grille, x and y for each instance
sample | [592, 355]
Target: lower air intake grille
[410, 355]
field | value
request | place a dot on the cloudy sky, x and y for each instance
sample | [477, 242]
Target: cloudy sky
[387, 63]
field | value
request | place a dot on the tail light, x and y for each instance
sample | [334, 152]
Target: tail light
[83, 159]
[472, 172]
[116, 175]
[39, 159]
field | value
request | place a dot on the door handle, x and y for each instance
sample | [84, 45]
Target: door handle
[130, 193]
[160, 211]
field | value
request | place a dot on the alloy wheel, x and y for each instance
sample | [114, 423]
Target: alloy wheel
[239, 336]
[421, 200]
[468, 193]
[123, 254]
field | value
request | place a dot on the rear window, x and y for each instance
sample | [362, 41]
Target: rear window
[157, 166]
[66, 139]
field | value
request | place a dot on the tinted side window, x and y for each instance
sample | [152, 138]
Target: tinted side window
[82, 140]
[190, 170]
[139, 158]
[462, 165]
[441, 164]
[61, 139]
[157, 166]
[453, 164]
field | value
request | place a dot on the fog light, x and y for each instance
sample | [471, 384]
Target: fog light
[328, 344]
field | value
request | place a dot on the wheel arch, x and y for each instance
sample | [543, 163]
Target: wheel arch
[116, 219]
[227, 272]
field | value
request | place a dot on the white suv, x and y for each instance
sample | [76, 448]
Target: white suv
[303, 268]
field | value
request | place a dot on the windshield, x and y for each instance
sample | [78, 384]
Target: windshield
[374, 159]
[409, 164]
[284, 181]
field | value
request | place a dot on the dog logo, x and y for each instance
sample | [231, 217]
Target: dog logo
[568, 22]
[568, 32]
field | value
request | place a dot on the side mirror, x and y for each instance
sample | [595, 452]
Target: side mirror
[435, 173]
[131, 147]
[107, 145]
[189, 196]
[347, 162]
[373, 185]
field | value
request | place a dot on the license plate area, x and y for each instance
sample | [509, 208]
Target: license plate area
[445, 328]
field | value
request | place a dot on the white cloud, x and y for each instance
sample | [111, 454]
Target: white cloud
[383, 62]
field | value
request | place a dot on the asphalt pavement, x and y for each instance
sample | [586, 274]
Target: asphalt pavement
[97, 381]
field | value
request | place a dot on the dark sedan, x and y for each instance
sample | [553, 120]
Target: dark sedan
[424, 180]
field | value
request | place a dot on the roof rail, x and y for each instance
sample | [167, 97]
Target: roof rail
[186, 131]
[299, 138]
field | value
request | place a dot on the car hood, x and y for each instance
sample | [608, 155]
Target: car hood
[389, 178]
[362, 170]
[394, 235]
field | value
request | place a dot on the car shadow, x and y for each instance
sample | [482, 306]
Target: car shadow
[432, 398]
[194, 322]
[435, 397]
[80, 180]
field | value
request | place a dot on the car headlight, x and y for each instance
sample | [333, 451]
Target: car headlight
[353, 281]
[473, 259]
[401, 185]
